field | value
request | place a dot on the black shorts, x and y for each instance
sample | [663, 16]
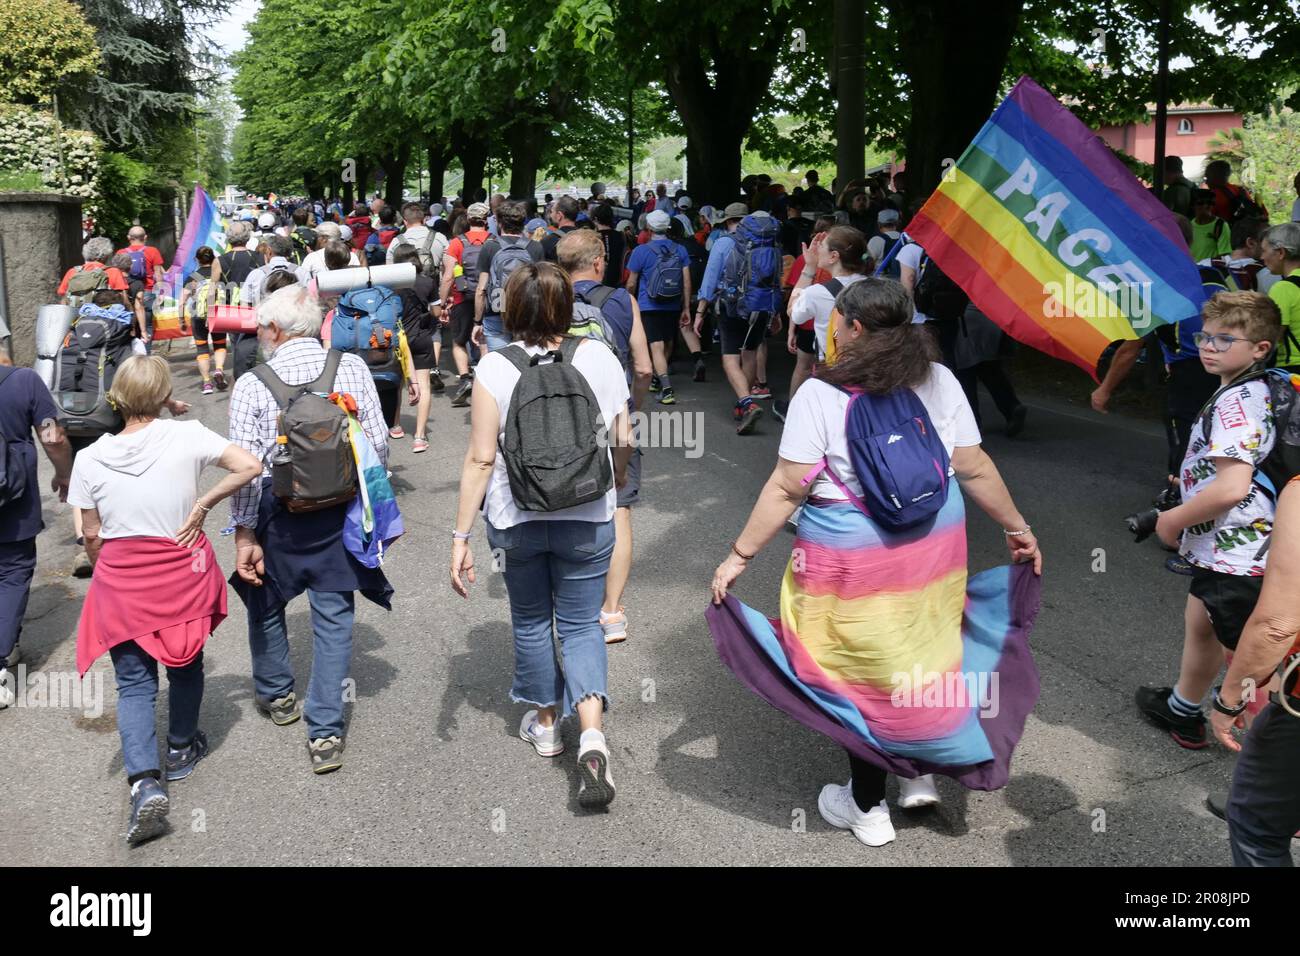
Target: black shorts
[630, 493]
[1229, 599]
[661, 325]
[421, 344]
[205, 344]
[743, 334]
[805, 340]
[462, 322]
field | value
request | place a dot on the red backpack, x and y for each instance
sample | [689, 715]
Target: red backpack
[361, 230]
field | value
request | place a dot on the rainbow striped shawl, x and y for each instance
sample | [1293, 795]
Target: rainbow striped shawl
[885, 646]
[373, 521]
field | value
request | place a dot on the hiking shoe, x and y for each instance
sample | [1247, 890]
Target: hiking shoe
[654, 383]
[596, 788]
[760, 391]
[666, 397]
[1179, 565]
[836, 805]
[614, 625]
[699, 371]
[7, 678]
[148, 811]
[283, 710]
[779, 409]
[463, 391]
[1188, 732]
[208, 388]
[1016, 421]
[545, 740]
[219, 379]
[917, 793]
[180, 763]
[326, 754]
[81, 566]
[436, 384]
[748, 418]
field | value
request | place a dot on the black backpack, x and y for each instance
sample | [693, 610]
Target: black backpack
[13, 464]
[1282, 463]
[84, 368]
[936, 295]
[552, 445]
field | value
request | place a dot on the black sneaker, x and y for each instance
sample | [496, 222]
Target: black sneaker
[1016, 421]
[699, 371]
[1188, 732]
[436, 384]
[326, 754]
[1179, 565]
[463, 391]
[283, 710]
[779, 408]
[1217, 803]
[148, 811]
[654, 383]
[180, 763]
[748, 418]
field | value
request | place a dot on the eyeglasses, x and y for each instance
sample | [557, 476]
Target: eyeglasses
[1217, 343]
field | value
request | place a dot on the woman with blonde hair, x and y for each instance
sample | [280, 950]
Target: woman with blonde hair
[157, 592]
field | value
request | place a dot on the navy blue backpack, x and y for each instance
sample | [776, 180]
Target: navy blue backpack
[897, 456]
[663, 280]
[367, 323]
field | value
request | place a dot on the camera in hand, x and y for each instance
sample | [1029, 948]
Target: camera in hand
[1142, 524]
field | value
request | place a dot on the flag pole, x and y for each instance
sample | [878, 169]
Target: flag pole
[1162, 98]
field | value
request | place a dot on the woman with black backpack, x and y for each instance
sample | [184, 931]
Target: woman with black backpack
[539, 466]
[882, 643]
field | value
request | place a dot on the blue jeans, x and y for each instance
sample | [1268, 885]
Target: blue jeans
[494, 332]
[555, 579]
[137, 689]
[331, 621]
[1264, 802]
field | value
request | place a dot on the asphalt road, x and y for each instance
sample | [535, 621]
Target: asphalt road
[706, 772]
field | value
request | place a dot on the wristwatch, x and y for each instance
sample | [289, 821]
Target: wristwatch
[1223, 708]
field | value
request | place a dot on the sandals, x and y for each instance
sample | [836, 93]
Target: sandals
[419, 445]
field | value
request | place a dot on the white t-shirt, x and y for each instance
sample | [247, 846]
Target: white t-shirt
[814, 426]
[608, 383]
[1241, 427]
[145, 484]
[816, 302]
[314, 263]
[909, 257]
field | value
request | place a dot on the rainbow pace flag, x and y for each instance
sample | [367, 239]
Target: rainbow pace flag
[1053, 238]
[204, 227]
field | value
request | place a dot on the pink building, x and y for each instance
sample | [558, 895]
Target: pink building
[1189, 128]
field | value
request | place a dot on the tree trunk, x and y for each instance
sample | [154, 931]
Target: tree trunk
[395, 174]
[437, 158]
[954, 55]
[471, 149]
[349, 195]
[525, 140]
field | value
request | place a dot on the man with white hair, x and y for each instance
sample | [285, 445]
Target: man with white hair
[314, 262]
[280, 553]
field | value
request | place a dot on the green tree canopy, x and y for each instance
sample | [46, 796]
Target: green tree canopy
[48, 47]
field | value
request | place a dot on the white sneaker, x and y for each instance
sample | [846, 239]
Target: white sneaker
[596, 788]
[7, 683]
[919, 792]
[835, 804]
[545, 740]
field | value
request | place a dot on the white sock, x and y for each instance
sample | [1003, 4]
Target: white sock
[591, 740]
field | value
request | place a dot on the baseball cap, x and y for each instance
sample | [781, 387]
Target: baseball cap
[684, 202]
[707, 212]
[266, 221]
[887, 215]
[658, 221]
[478, 210]
[345, 233]
[533, 225]
[734, 210]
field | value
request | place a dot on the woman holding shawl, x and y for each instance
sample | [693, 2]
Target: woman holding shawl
[157, 591]
[883, 644]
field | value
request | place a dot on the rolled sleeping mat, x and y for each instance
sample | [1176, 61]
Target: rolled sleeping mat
[52, 325]
[232, 318]
[338, 281]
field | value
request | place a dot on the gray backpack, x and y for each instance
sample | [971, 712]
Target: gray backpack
[313, 467]
[512, 254]
[553, 453]
[431, 251]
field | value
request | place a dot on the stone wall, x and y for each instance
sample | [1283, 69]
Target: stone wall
[40, 239]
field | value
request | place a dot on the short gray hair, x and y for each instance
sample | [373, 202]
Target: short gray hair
[239, 232]
[293, 310]
[330, 229]
[1285, 237]
[99, 249]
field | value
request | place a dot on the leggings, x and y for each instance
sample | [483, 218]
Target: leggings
[868, 783]
[390, 403]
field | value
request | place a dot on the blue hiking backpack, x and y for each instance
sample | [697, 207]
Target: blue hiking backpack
[751, 276]
[663, 280]
[897, 456]
[139, 263]
[366, 323]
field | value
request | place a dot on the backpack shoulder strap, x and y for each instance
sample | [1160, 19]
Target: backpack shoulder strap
[833, 286]
[569, 347]
[1294, 280]
[516, 356]
[597, 295]
[281, 391]
[325, 382]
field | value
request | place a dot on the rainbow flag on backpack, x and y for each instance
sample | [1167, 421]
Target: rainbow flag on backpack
[1053, 238]
[373, 521]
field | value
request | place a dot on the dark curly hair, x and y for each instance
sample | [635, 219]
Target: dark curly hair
[893, 353]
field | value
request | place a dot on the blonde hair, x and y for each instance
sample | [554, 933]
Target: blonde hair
[141, 386]
[1253, 314]
[579, 250]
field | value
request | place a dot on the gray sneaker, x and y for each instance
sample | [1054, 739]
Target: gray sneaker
[282, 710]
[596, 786]
[148, 811]
[326, 754]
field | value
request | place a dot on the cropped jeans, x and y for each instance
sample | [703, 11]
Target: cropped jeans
[555, 579]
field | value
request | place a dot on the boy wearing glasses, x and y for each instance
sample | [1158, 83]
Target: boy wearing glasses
[1226, 514]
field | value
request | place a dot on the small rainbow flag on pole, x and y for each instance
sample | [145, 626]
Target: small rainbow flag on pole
[1053, 238]
[203, 227]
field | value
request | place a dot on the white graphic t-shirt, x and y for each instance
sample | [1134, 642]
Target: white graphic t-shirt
[1242, 428]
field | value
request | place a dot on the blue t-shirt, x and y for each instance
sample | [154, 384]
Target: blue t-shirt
[25, 402]
[642, 258]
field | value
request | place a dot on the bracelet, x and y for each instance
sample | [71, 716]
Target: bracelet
[201, 508]
[460, 535]
[1016, 534]
[1223, 708]
[741, 554]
